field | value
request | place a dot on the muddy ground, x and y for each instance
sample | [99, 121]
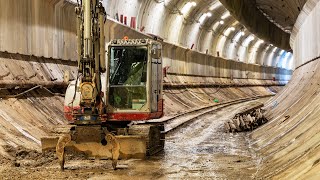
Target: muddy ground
[198, 150]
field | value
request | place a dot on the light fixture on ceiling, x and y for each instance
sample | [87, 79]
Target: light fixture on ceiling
[274, 49]
[186, 8]
[221, 22]
[225, 15]
[242, 33]
[247, 41]
[215, 6]
[251, 38]
[204, 16]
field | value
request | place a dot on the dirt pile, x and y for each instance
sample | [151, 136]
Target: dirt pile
[29, 158]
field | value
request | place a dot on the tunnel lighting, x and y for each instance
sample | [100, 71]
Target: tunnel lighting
[235, 23]
[215, 26]
[274, 49]
[186, 8]
[215, 6]
[204, 16]
[225, 15]
[281, 52]
[228, 31]
[258, 44]
[221, 22]
[237, 37]
[248, 40]
[242, 33]
[287, 59]
[267, 48]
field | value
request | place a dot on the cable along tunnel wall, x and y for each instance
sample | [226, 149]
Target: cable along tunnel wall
[44, 36]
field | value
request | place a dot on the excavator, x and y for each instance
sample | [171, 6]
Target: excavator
[111, 94]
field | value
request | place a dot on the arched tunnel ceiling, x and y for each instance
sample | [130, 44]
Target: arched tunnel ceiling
[283, 13]
[201, 25]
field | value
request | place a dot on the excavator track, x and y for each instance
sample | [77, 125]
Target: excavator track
[153, 134]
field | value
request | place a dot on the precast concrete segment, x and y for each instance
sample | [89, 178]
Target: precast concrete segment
[284, 14]
[289, 143]
[40, 28]
[246, 12]
[55, 26]
[305, 36]
[60, 14]
[187, 23]
[25, 71]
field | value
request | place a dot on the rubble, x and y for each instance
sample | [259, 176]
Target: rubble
[246, 121]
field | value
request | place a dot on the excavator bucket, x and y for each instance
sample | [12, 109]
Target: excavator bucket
[143, 140]
[117, 147]
[130, 147]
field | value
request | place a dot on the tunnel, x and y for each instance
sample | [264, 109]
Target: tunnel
[220, 60]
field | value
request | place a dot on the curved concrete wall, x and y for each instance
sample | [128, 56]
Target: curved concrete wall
[184, 61]
[47, 29]
[181, 23]
[250, 16]
[38, 27]
[306, 37]
[289, 143]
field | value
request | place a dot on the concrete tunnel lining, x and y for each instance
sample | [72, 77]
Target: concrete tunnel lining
[201, 75]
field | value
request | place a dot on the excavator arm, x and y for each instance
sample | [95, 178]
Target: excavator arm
[88, 134]
[91, 60]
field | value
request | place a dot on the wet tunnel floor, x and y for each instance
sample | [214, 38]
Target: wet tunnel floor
[198, 150]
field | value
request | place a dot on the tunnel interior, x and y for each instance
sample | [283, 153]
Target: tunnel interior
[217, 57]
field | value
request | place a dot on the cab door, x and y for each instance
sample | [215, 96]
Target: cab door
[156, 70]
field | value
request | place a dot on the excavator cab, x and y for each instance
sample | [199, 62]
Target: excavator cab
[134, 80]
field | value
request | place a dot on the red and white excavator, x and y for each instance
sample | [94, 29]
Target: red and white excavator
[111, 93]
